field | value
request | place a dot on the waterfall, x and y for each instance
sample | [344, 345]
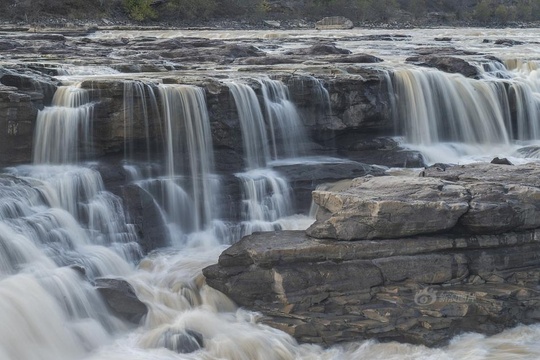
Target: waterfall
[271, 130]
[59, 228]
[185, 187]
[527, 101]
[312, 93]
[188, 187]
[442, 114]
[68, 206]
[524, 93]
[266, 199]
[286, 130]
[64, 128]
[254, 134]
[140, 104]
[436, 107]
[55, 223]
[37, 323]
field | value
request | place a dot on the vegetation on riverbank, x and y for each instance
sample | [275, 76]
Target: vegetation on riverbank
[404, 12]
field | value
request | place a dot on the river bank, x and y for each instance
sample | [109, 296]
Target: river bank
[124, 23]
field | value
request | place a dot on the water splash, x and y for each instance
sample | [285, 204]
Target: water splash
[266, 198]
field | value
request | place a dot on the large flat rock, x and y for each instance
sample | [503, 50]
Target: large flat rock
[389, 207]
[471, 199]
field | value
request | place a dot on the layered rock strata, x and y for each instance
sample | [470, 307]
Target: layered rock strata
[454, 274]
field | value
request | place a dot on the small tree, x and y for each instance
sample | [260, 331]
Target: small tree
[524, 11]
[482, 11]
[503, 14]
[417, 8]
[381, 10]
[140, 10]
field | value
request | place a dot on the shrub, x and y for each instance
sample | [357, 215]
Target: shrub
[482, 11]
[503, 14]
[140, 10]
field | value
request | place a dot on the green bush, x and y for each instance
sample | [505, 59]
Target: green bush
[503, 14]
[417, 8]
[482, 11]
[140, 10]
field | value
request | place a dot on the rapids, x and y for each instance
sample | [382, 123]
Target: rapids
[60, 228]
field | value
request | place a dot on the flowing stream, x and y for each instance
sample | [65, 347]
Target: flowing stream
[60, 229]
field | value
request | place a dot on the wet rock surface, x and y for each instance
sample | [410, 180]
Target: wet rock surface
[357, 93]
[183, 342]
[120, 296]
[422, 289]
[448, 64]
[23, 92]
[146, 217]
[421, 286]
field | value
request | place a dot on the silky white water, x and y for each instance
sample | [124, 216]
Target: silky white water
[453, 119]
[63, 129]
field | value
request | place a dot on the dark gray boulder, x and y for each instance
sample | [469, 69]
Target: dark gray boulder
[334, 22]
[305, 178]
[145, 214]
[319, 49]
[447, 64]
[183, 342]
[121, 298]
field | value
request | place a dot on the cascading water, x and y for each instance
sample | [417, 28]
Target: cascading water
[278, 135]
[524, 93]
[188, 132]
[448, 116]
[64, 129]
[254, 134]
[49, 310]
[307, 87]
[136, 94]
[188, 150]
[286, 131]
[266, 200]
[57, 222]
[437, 107]
[59, 228]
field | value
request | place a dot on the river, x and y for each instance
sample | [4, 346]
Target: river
[56, 216]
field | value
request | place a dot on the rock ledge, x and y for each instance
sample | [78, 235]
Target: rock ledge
[422, 289]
